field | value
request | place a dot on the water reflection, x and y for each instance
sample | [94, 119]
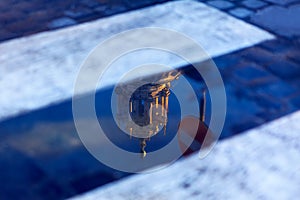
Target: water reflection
[142, 111]
[147, 106]
[47, 137]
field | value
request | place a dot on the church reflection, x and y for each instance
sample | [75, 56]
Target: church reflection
[147, 107]
[142, 109]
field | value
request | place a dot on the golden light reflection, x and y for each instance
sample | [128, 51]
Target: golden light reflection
[148, 107]
[142, 111]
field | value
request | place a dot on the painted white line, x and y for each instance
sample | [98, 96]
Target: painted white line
[39, 70]
[261, 163]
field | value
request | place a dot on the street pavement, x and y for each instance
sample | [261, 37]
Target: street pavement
[262, 84]
[252, 165]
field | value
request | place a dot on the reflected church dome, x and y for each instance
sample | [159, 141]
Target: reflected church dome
[142, 109]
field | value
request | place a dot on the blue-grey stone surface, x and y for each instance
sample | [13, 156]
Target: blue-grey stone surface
[262, 163]
[221, 4]
[282, 2]
[254, 3]
[280, 20]
[64, 50]
[285, 69]
[61, 22]
[241, 12]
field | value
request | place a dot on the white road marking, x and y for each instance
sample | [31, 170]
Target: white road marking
[38, 70]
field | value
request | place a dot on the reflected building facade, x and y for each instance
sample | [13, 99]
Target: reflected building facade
[142, 109]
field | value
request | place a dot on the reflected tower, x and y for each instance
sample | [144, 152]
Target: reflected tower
[146, 105]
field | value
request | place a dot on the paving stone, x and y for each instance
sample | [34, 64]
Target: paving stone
[277, 90]
[23, 26]
[60, 5]
[282, 2]
[118, 8]
[106, 11]
[296, 101]
[11, 16]
[227, 61]
[251, 73]
[272, 115]
[269, 104]
[246, 125]
[41, 16]
[6, 35]
[241, 12]
[282, 21]
[61, 22]
[254, 4]
[26, 6]
[294, 55]
[91, 3]
[221, 4]
[260, 56]
[101, 9]
[276, 46]
[78, 13]
[237, 100]
[133, 4]
[285, 69]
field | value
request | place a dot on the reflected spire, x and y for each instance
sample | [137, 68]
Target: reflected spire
[143, 146]
[147, 106]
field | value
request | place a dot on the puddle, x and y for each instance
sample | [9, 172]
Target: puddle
[49, 138]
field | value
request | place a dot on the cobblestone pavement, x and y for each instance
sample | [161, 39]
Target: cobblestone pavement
[28, 17]
[262, 84]
[20, 18]
[264, 79]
